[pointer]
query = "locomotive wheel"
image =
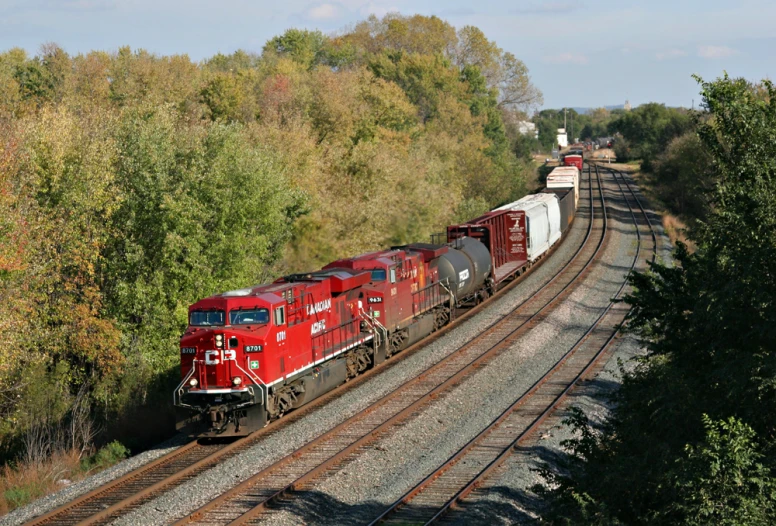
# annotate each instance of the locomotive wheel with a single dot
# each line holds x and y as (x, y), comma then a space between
(397, 341)
(441, 318)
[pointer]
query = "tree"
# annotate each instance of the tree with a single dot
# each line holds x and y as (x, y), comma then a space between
(691, 438)
(305, 47)
(515, 87)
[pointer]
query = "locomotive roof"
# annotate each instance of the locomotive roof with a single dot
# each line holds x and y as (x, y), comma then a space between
(320, 275)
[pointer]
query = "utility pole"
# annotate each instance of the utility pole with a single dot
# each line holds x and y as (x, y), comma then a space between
(564, 118)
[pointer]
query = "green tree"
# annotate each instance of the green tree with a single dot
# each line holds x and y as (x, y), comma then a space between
(305, 47)
(691, 437)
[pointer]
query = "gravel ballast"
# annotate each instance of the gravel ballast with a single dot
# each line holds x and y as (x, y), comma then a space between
(506, 498)
(401, 458)
(361, 488)
(188, 497)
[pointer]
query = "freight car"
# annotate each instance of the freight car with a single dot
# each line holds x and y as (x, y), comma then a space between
(565, 177)
(504, 234)
(573, 160)
(251, 355)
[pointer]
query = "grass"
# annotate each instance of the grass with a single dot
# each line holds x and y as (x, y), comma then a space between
(24, 482)
(674, 225)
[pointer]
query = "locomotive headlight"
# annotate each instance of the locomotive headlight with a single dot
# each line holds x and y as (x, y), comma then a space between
(219, 340)
(193, 382)
(236, 380)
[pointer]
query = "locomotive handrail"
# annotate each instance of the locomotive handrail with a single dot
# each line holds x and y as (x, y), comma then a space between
(426, 298)
(452, 297)
(260, 384)
(377, 327)
(177, 391)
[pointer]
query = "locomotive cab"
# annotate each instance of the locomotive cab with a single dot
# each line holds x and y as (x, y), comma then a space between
(222, 358)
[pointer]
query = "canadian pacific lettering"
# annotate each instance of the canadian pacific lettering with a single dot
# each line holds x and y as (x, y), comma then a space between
(319, 307)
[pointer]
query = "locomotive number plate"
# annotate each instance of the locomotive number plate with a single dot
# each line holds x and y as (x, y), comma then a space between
(375, 300)
(188, 350)
(253, 348)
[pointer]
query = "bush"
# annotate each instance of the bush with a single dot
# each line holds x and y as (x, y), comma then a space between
(108, 455)
(684, 174)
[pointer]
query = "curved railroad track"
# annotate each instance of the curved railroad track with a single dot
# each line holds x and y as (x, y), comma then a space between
(247, 501)
(130, 491)
(445, 488)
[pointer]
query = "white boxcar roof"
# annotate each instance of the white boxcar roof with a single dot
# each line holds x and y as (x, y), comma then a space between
(566, 171)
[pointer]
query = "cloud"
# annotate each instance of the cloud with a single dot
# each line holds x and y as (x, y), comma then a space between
(379, 11)
(716, 51)
(67, 5)
(458, 11)
(323, 12)
(547, 7)
(566, 58)
(670, 54)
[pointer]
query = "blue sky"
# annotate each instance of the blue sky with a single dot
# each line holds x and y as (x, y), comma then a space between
(580, 53)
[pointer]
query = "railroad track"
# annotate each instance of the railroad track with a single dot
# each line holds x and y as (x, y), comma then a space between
(445, 488)
(247, 501)
(130, 491)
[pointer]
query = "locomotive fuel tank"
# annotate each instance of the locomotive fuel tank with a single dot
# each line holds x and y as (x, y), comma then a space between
(465, 266)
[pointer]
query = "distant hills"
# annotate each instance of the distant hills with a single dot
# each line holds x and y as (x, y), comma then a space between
(583, 111)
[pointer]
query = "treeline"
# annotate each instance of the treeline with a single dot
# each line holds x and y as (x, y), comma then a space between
(582, 126)
(663, 139)
(692, 436)
(133, 184)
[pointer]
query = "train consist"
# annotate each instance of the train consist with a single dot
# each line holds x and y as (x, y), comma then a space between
(251, 355)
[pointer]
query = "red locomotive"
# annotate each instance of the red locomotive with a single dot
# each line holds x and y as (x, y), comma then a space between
(249, 356)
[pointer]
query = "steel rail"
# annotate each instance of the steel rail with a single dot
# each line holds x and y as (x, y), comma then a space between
(487, 442)
(133, 489)
(292, 471)
(140, 485)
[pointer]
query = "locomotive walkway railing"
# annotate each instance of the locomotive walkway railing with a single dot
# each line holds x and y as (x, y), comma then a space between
(337, 339)
(427, 298)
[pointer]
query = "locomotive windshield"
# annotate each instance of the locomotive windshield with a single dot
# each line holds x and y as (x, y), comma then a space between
(248, 317)
(207, 317)
(378, 274)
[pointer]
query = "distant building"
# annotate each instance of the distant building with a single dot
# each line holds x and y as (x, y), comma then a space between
(627, 106)
(526, 128)
(563, 140)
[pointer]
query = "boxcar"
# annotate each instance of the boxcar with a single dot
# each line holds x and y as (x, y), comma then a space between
(504, 234)
(542, 213)
(573, 160)
(566, 204)
(565, 177)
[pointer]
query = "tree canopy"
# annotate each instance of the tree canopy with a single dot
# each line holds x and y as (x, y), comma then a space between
(133, 184)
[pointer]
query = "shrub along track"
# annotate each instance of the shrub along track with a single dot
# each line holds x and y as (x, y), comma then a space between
(444, 489)
(341, 444)
(132, 490)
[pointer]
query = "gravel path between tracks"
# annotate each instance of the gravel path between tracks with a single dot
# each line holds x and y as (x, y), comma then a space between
(189, 496)
(364, 487)
(506, 498)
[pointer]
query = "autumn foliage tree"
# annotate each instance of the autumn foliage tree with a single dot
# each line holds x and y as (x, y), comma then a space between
(132, 185)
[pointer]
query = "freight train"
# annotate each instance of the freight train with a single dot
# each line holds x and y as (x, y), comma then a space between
(251, 355)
